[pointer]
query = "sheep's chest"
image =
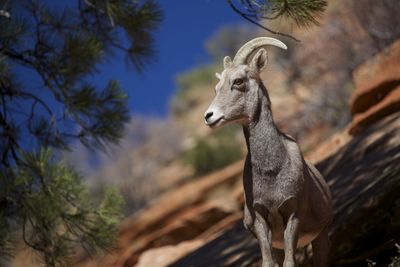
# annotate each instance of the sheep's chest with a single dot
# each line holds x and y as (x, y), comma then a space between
(270, 191)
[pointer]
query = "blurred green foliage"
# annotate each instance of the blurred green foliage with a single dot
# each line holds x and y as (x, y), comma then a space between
(214, 151)
(189, 81)
(200, 75)
(227, 40)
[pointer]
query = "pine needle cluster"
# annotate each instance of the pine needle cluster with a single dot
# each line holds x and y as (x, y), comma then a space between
(48, 58)
(304, 13)
(54, 208)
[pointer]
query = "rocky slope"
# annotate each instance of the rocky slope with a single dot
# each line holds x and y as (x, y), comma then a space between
(199, 223)
(195, 226)
(377, 91)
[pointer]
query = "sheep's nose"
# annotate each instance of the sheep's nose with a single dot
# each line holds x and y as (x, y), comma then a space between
(208, 115)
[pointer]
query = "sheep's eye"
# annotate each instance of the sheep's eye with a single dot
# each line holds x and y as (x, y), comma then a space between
(238, 82)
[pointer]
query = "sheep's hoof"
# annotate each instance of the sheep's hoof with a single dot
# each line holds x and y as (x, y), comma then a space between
(289, 264)
(269, 264)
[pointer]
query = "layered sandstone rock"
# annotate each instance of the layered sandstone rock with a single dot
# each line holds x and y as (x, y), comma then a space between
(377, 83)
(194, 211)
(364, 176)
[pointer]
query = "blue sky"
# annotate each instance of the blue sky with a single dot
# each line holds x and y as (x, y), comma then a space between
(180, 45)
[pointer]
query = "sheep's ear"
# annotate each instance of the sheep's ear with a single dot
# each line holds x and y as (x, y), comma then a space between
(218, 76)
(259, 60)
(227, 62)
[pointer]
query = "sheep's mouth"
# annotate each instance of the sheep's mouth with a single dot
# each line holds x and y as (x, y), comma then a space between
(216, 123)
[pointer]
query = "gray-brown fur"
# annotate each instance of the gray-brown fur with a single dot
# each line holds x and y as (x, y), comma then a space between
(287, 201)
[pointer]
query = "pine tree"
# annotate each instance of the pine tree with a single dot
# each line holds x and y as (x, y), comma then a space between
(41, 198)
(304, 13)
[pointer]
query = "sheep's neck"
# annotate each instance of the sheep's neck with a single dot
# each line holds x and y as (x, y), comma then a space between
(263, 139)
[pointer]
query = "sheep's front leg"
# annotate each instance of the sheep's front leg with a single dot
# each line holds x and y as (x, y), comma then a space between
(264, 235)
(248, 220)
(291, 238)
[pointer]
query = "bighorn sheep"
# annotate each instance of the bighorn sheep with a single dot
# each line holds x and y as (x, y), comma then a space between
(287, 201)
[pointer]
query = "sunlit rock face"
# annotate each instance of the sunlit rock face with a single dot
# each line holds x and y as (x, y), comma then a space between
(364, 176)
(377, 92)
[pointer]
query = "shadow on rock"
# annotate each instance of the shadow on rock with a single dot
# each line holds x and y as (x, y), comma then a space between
(235, 247)
(364, 176)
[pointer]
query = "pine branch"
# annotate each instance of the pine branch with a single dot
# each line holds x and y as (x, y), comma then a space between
(304, 13)
(248, 18)
(63, 51)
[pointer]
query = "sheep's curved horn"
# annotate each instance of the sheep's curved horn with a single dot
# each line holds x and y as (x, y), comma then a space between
(251, 46)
